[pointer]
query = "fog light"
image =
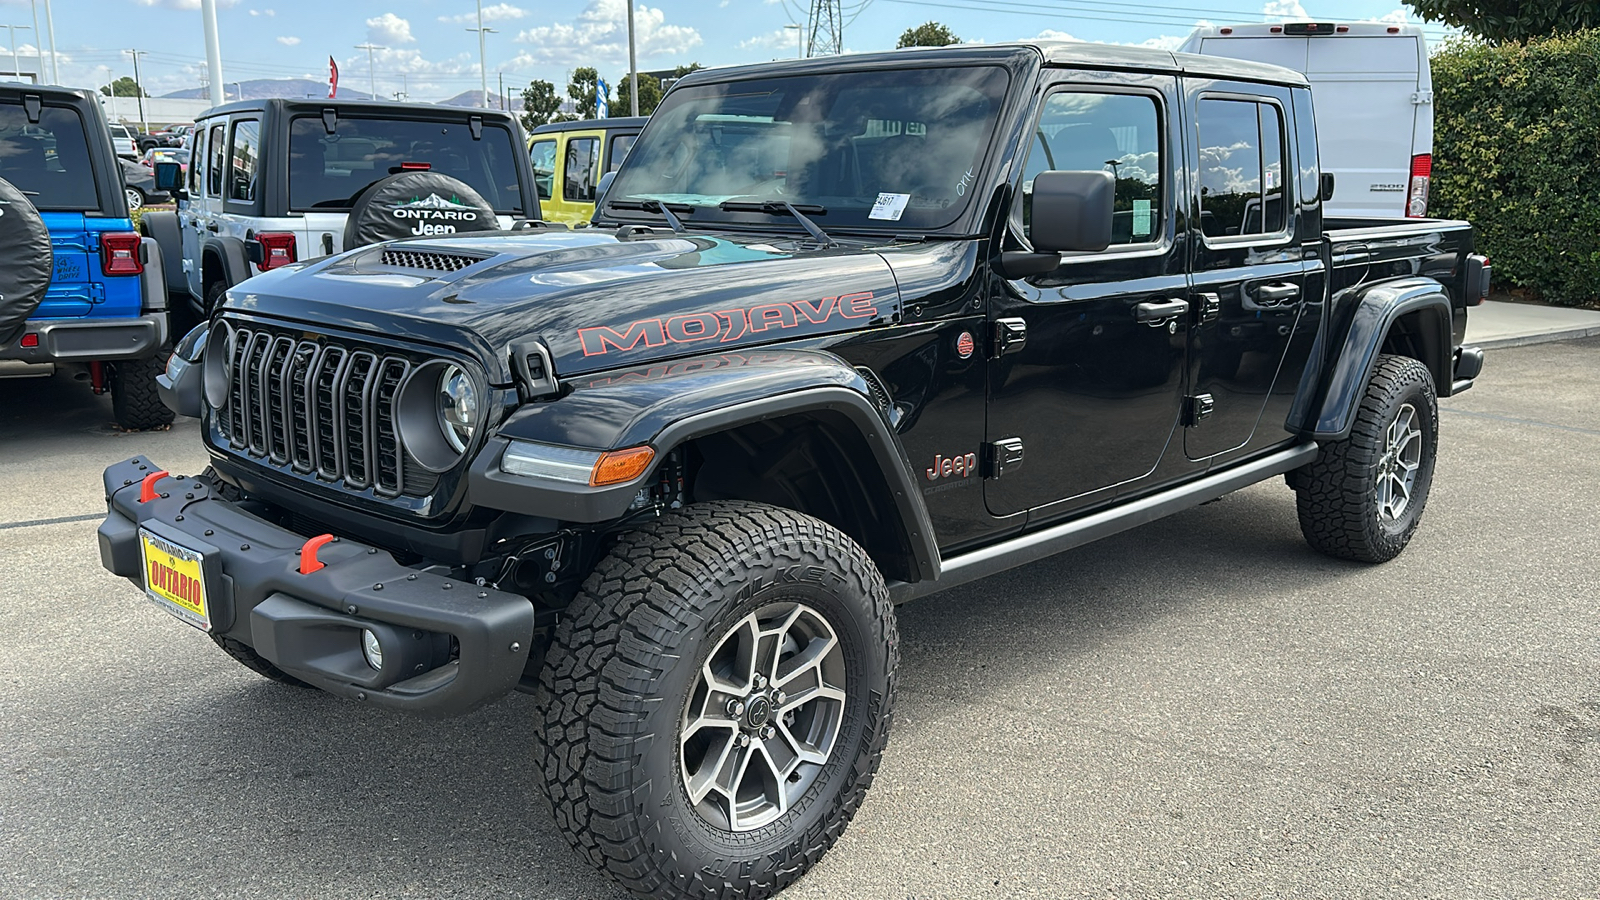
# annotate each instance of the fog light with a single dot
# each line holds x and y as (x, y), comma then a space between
(371, 649)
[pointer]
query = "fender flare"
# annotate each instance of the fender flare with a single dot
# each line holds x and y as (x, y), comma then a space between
(229, 254)
(1325, 408)
(668, 405)
(162, 227)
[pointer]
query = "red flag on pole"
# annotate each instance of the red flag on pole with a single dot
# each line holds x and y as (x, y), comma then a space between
(333, 79)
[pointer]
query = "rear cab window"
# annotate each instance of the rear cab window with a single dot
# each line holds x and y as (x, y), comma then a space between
(583, 158)
(328, 171)
(245, 162)
(48, 160)
(1242, 151)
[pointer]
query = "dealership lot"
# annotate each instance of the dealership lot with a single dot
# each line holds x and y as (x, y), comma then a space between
(1200, 707)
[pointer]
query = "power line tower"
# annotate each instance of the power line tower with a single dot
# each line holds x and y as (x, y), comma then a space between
(826, 22)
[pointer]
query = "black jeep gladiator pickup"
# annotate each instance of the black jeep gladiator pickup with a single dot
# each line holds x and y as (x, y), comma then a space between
(845, 332)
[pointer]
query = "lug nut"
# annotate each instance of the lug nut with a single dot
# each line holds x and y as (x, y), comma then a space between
(761, 681)
(780, 698)
(742, 740)
(768, 732)
(735, 708)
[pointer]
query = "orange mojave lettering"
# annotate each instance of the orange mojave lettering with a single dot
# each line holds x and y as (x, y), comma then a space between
(175, 583)
(726, 325)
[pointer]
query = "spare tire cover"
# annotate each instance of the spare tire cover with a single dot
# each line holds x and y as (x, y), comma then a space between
(25, 261)
(416, 204)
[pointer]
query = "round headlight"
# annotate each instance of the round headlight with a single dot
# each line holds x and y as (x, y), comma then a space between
(458, 406)
(218, 362)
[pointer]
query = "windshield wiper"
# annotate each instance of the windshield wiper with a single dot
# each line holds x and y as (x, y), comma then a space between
(655, 206)
(781, 208)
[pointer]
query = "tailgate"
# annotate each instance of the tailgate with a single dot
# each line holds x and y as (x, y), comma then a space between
(73, 291)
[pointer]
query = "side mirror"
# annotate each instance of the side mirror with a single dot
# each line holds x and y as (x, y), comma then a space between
(605, 182)
(1072, 211)
(1327, 187)
(169, 177)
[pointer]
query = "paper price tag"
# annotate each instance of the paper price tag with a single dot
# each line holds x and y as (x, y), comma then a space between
(889, 207)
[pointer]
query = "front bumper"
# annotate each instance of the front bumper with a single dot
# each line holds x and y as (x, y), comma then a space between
(91, 340)
(310, 625)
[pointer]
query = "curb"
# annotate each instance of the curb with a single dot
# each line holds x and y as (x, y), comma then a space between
(1523, 340)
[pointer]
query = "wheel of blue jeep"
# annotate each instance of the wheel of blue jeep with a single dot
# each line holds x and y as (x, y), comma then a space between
(717, 701)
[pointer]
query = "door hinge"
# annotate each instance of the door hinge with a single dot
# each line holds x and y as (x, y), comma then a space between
(1010, 335)
(1421, 97)
(1209, 307)
(1002, 456)
(1197, 408)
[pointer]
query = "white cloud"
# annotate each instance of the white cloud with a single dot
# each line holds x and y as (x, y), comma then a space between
(263, 12)
(1164, 42)
(389, 29)
(288, 41)
(1050, 34)
(1285, 9)
(600, 34)
(781, 39)
(1397, 17)
(500, 12)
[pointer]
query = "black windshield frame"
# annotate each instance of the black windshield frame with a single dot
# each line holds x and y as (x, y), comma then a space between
(841, 117)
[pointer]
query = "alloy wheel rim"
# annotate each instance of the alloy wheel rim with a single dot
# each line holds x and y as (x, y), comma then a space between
(763, 717)
(135, 199)
(1399, 464)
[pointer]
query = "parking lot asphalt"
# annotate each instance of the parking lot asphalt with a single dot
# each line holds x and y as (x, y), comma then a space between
(1202, 707)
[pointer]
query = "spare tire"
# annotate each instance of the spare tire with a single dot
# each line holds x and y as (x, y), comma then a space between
(416, 204)
(25, 261)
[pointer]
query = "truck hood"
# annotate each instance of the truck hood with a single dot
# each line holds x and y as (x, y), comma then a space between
(597, 299)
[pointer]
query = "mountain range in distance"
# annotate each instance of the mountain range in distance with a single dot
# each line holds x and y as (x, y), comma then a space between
(299, 88)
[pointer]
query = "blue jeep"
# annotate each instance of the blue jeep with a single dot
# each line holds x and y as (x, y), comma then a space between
(78, 285)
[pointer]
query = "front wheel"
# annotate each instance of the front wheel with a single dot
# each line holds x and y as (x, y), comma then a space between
(718, 700)
(135, 198)
(1363, 496)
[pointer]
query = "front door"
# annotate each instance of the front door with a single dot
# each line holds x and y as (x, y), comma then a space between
(1093, 395)
(207, 167)
(1249, 286)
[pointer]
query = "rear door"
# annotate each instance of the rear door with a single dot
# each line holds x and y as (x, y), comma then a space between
(1092, 398)
(1367, 92)
(1249, 290)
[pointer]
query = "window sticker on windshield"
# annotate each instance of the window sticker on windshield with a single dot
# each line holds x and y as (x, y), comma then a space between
(889, 206)
(1141, 218)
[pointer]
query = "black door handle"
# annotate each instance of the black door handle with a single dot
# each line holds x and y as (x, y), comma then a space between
(1276, 293)
(1159, 311)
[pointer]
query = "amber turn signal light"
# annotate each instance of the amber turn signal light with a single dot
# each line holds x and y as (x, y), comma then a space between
(618, 466)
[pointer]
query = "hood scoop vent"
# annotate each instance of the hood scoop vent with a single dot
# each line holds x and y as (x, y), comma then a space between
(428, 260)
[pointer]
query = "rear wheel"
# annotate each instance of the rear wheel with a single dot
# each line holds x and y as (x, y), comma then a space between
(135, 198)
(717, 701)
(1363, 497)
(134, 400)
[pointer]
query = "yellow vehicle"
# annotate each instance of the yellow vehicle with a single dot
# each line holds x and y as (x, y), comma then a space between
(569, 158)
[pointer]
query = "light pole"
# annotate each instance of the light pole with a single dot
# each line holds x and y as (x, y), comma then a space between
(799, 40)
(38, 40)
(138, 85)
(50, 26)
(372, 80)
(239, 86)
(483, 71)
(633, 66)
(16, 61)
(208, 16)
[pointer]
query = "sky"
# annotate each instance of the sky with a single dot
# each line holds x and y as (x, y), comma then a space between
(429, 54)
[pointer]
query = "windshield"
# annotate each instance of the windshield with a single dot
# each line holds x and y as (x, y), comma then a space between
(48, 161)
(328, 171)
(897, 148)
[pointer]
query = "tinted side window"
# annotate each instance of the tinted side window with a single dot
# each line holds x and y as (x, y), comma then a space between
(1117, 133)
(1241, 168)
(620, 145)
(245, 160)
(219, 161)
(543, 155)
(197, 158)
(582, 158)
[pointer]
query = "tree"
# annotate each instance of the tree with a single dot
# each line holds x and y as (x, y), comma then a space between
(928, 34)
(582, 87)
(681, 71)
(540, 104)
(1502, 21)
(649, 96)
(123, 87)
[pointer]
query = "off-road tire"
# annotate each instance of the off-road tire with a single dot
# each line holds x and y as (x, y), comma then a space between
(626, 658)
(250, 659)
(134, 401)
(1337, 494)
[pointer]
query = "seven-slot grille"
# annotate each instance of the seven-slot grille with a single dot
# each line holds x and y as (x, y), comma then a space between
(318, 407)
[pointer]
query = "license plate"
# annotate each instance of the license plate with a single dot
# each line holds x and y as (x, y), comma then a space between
(174, 579)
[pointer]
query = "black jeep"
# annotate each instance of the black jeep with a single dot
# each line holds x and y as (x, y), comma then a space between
(848, 331)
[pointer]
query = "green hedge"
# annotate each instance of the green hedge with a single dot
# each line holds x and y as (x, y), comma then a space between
(1516, 151)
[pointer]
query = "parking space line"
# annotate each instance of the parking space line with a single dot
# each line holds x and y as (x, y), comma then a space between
(29, 523)
(1515, 420)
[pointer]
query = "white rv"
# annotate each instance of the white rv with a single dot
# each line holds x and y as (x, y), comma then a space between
(1374, 99)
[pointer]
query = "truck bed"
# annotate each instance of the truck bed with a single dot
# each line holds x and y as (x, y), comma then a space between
(1367, 250)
